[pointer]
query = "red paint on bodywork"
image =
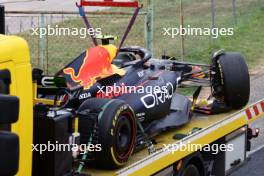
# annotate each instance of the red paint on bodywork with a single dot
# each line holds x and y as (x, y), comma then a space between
(96, 65)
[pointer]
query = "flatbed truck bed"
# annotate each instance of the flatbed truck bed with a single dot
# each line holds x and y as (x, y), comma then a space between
(213, 127)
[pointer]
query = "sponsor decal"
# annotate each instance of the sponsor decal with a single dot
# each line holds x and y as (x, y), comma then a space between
(95, 65)
(85, 95)
(158, 96)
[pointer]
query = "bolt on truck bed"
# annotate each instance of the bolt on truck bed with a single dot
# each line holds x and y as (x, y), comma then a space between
(213, 127)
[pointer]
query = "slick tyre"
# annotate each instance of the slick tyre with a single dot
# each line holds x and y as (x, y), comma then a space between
(116, 132)
(235, 80)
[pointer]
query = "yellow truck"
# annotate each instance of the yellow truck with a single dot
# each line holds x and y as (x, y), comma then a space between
(192, 149)
(16, 80)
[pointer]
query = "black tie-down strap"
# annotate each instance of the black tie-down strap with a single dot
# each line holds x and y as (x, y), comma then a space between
(130, 25)
(86, 22)
(91, 117)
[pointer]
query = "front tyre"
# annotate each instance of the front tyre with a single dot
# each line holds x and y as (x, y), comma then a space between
(231, 81)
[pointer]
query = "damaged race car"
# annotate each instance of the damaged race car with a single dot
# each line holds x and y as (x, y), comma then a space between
(123, 97)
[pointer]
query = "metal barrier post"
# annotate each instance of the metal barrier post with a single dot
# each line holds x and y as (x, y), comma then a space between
(149, 26)
(234, 11)
(182, 24)
(213, 18)
(42, 42)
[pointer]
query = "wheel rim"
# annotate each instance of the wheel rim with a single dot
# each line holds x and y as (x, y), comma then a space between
(217, 83)
(124, 136)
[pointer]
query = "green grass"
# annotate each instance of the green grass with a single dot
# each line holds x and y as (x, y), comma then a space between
(248, 37)
(63, 49)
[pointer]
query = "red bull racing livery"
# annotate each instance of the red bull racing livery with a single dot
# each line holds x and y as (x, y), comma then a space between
(123, 102)
(123, 97)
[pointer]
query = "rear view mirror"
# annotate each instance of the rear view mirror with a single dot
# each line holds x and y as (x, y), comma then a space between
(9, 109)
(9, 153)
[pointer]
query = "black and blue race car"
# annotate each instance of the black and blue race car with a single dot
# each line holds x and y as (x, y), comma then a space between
(123, 97)
(134, 97)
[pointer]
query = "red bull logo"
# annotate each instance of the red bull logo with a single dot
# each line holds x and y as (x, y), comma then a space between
(96, 65)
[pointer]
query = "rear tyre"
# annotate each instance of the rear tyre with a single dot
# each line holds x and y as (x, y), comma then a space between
(233, 78)
(116, 131)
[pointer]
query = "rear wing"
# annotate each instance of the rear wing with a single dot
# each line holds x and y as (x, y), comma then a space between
(110, 3)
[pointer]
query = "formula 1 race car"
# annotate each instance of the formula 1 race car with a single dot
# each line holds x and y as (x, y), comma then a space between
(124, 102)
(123, 97)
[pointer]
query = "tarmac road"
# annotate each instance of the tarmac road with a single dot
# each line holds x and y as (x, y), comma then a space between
(257, 93)
(254, 167)
(16, 23)
(42, 5)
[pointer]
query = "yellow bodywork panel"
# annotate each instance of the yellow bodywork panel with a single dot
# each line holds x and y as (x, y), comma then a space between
(37, 100)
(14, 56)
(112, 50)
